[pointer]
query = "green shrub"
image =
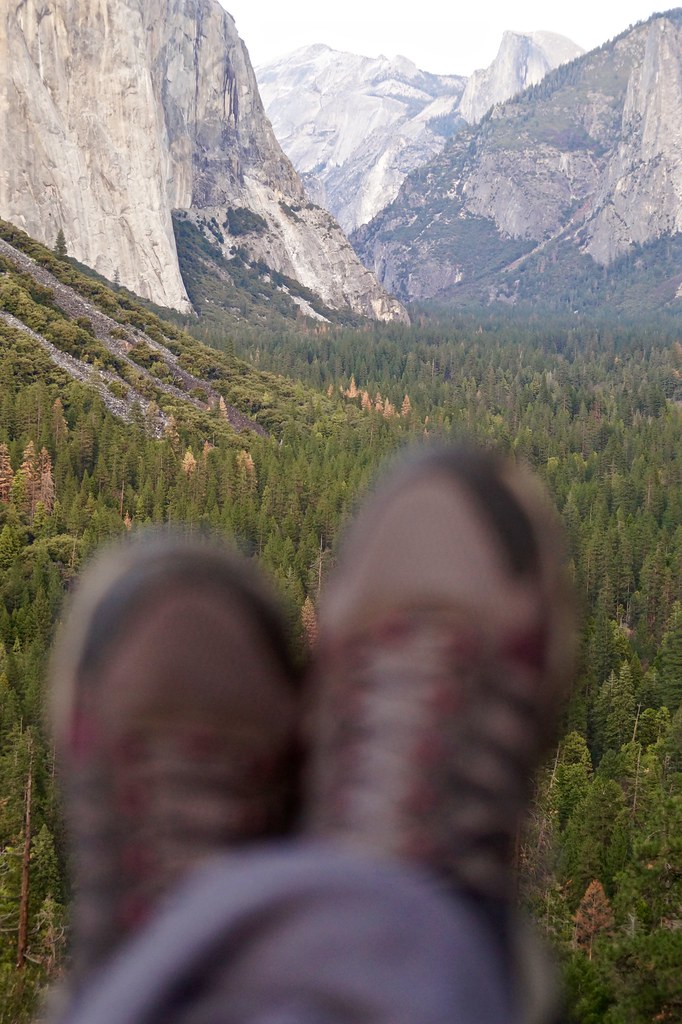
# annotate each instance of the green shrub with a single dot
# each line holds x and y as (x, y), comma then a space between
(242, 221)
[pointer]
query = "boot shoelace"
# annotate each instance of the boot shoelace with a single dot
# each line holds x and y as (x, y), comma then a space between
(427, 746)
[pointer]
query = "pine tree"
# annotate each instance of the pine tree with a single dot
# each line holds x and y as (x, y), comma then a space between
(59, 425)
(46, 492)
(573, 775)
(352, 389)
(10, 545)
(30, 476)
(60, 249)
(246, 468)
(595, 840)
(621, 717)
(189, 463)
(50, 927)
(670, 660)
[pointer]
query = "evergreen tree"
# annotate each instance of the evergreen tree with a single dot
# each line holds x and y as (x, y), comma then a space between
(620, 720)
(59, 425)
(573, 775)
(595, 843)
(670, 660)
(30, 475)
(46, 493)
(189, 463)
(60, 249)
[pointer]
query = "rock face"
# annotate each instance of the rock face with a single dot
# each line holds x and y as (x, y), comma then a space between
(640, 193)
(115, 113)
(354, 127)
(522, 60)
(582, 166)
(83, 143)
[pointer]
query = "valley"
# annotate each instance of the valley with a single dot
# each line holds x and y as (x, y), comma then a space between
(203, 350)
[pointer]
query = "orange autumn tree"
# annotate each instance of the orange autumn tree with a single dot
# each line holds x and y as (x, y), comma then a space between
(46, 490)
(6, 474)
(593, 916)
(309, 622)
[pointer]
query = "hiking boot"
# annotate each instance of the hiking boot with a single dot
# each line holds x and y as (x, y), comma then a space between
(174, 711)
(445, 651)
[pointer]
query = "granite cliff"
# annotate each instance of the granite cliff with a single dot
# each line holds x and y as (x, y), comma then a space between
(114, 115)
(575, 172)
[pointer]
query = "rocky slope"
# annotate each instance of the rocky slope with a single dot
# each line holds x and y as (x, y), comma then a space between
(121, 395)
(115, 114)
(354, 127)
(583, 166)
(146, 369)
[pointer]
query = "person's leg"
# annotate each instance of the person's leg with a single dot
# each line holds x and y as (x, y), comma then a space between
(174, 709)
(303, 933)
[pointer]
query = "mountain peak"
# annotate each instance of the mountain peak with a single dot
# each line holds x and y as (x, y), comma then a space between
(523, 59)
(353, 125)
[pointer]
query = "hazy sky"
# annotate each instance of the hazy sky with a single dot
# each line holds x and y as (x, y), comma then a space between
(437, 36)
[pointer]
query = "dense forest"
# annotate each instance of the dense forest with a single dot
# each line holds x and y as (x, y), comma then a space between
(597, 411)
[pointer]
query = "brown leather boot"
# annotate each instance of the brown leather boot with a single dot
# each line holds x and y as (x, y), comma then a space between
(445, 652)
(174, 710)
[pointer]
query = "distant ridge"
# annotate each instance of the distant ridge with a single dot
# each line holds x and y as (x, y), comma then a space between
(354, 126)
(564, 195)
